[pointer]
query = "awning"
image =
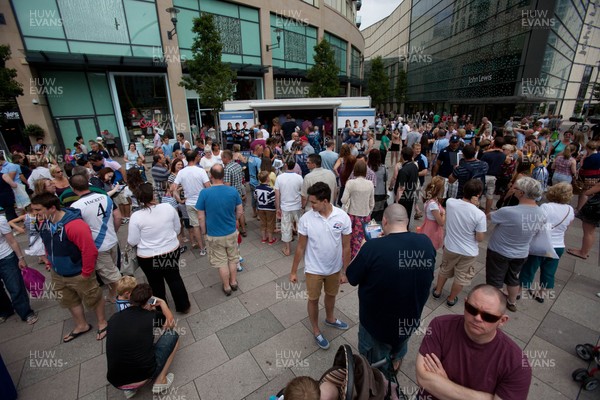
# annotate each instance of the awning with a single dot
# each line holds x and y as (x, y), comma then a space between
(296, 103)
(33, 57)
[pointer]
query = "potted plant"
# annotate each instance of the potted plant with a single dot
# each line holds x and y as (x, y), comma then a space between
(34, 130)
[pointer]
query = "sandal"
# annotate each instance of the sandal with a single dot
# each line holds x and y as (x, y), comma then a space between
(571, 252)
(99, 332)
(453, 302)
(434, 294)
(74, 335)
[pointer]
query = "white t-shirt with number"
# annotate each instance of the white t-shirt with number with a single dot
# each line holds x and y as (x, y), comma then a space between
(97, 211)
(323, 254)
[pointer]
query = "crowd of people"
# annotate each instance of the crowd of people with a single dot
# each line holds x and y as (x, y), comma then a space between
(453, 175)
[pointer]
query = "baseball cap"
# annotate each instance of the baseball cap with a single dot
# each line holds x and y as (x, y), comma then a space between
(304, 139)
(454, 139)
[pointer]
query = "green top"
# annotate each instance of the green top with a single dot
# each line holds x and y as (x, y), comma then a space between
(68, 197)
(385, 143)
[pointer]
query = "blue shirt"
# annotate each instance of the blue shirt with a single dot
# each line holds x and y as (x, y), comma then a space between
(254, 168)
(8, 167)
(520, 140)
(167, 149)
(219, 204)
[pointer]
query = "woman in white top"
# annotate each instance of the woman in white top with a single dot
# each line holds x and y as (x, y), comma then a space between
(131, 156)
(154, 229)
(358, 200)
(559, 214)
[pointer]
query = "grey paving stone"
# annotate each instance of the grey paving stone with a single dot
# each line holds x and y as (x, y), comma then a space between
(540, 390)
(192, 283)
(99, 394)
(13, 328)
(247, 333)
(351, 336)
(233, 380)
(216, 318)
(254, 278)
(585, 287)
(60, 386)
(316, 363)
(521, 325)
(41, 364)
(291, 310)
(530, 307)
(15, 370)
(564, 333)
(212, 295)
(198, 359)
(578, 308)
(50, 316)
(93, 375)
(553, 366)
(186, 336)
(264, 256)
(273, 386)
(349, 306)
(283, 266)
(20, 347)
(260, 298)
(587, 267)
(209, 277)
(294, 339)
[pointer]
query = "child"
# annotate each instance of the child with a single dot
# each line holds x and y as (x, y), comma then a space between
(435, 216)
(265, 204)
(36, 246)
(69, 158)
(169, 198)
(124, 287)
(140, 166)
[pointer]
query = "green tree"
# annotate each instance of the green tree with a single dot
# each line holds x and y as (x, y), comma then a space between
(378, 82)
(9, 87)
(211, 78)
(401, 87)
(324, 74)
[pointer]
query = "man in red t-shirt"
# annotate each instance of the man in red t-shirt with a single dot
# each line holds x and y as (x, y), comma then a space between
(465, 356)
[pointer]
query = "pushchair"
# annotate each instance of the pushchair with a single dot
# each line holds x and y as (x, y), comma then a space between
(588, 352)
(357, 379)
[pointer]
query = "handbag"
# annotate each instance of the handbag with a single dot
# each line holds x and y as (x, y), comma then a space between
(34, 281)
(578, 184)
(541, 244)
(129, 262)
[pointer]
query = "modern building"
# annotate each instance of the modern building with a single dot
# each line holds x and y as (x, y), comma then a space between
(493, 58)
(91, 65)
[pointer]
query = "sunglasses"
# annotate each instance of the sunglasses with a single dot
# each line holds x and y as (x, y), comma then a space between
(487, 317)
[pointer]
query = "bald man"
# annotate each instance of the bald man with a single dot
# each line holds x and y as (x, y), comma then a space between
(393, 274)
(468, 356)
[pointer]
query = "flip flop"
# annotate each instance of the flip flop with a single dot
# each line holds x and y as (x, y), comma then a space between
(74, 335)
(100, 332)
(577, 255)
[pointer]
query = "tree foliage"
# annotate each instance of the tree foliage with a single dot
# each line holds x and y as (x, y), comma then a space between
(378, 82)
(324, 74)
(9, 87)
(401, 87)
(211, 78)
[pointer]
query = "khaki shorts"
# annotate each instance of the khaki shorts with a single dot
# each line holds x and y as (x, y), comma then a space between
(223, 250)
(287, 223)
(267, 220)
(462, 268)
(106, 265)
(314, 283)
(490, 186)
(193, 215)
(75, 290)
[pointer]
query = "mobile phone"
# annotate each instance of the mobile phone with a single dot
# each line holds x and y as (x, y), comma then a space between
(372, 230)
(152, 301)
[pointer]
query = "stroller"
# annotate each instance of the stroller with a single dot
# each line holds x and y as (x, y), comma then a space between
(587, 352)
(356, 379)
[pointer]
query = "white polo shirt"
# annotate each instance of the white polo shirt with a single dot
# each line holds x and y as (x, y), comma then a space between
(323, 255)
(192, 179)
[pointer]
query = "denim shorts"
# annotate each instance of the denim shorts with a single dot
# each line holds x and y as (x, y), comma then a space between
(375, 350)
(163, 349)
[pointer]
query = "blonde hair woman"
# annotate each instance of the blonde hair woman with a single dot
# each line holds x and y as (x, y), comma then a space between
(60, 180)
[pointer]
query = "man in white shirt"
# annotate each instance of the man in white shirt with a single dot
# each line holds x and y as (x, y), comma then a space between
(193, 179)
(288, 202)
(465, 227)
(104, 219)
(289, 143)
(320, 233)
(405, 130)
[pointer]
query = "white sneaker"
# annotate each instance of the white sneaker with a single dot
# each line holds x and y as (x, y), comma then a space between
(159, 388)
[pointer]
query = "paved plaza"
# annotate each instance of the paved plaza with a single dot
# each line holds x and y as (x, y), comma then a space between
(249, 345)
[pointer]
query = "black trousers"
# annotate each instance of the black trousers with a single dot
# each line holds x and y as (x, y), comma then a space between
(408, 204)
(165, 268)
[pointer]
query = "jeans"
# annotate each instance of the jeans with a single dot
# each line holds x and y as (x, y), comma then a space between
(375, 351)
(547, 267)
(558, 177)
(11, 277)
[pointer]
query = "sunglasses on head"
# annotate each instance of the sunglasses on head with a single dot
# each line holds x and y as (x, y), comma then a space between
(487, 317)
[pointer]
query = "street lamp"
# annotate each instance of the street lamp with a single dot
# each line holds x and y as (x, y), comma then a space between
(173, 11)
(276, 46)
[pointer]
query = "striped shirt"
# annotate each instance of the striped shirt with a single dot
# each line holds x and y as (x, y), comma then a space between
(265, 197)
